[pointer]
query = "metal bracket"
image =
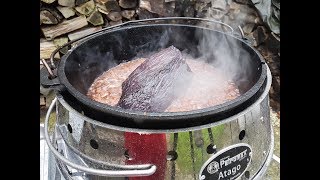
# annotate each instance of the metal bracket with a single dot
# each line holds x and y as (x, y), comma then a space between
(129, 171)
(243, 37)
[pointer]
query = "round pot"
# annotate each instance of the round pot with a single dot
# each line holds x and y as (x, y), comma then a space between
(93, 55)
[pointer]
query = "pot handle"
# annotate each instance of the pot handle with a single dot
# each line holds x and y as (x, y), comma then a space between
(139, 22)
(127, 171)
(243, 37)
(174, 20)
(48, 78)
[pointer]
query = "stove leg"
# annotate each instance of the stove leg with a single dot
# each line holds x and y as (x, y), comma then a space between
(192, 154)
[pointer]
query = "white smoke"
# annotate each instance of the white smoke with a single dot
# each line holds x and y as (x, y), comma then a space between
(224, 53)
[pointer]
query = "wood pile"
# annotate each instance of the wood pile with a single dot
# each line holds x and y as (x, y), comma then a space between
(64, 20)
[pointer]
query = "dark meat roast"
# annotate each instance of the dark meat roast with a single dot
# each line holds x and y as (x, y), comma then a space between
(154, 84)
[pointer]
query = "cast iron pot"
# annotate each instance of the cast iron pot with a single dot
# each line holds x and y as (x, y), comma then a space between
(94, 54)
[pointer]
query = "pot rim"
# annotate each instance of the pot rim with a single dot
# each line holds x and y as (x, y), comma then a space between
(264, 95)
(138, 115)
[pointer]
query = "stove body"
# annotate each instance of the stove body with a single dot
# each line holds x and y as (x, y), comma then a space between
(99, 146)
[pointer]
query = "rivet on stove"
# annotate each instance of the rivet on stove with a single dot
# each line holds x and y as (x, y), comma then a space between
(264, 153)
(247, 174)
(172, 155)
(202, 177)
(94, 144)
(211, 149)
(69, 128)
(242, 134)
(126, 154)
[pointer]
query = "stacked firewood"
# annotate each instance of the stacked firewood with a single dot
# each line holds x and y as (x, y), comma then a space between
(65, 20)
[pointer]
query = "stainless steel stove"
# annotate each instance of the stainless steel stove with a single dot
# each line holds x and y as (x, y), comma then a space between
(88, 141)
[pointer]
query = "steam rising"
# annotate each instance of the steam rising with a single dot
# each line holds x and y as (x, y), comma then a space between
(89, 66)
(222, 52)
(225, 54)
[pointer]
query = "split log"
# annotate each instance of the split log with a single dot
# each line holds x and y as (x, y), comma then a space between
(46, 17)
(82, 32)
(248, 28)
(251, 19)
(189, 11)
(234, 5)
(68, 3)
(170, 9)
(103, 1)
(145, 14)
(127, 4)
(144, 4)
(86, 8)
(64, 27)
(58, 42)
(260, 35)
(54, 12)
(66, 11)
(112, 6)
(95, 18)
(112, 23)
(114, 16)
(158, 7)
(106, 22)
(48, 1)
(102, 8)
(42, 101)
(79, 2)
(78, 14)
(46, 49)
(128, 14)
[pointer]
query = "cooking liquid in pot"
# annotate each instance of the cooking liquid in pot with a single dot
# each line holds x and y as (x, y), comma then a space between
(209, 86)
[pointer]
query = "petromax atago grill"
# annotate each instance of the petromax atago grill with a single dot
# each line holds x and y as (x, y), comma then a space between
(233, 140)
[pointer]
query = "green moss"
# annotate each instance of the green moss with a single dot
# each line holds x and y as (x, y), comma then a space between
(52, 120)
(184, 161)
